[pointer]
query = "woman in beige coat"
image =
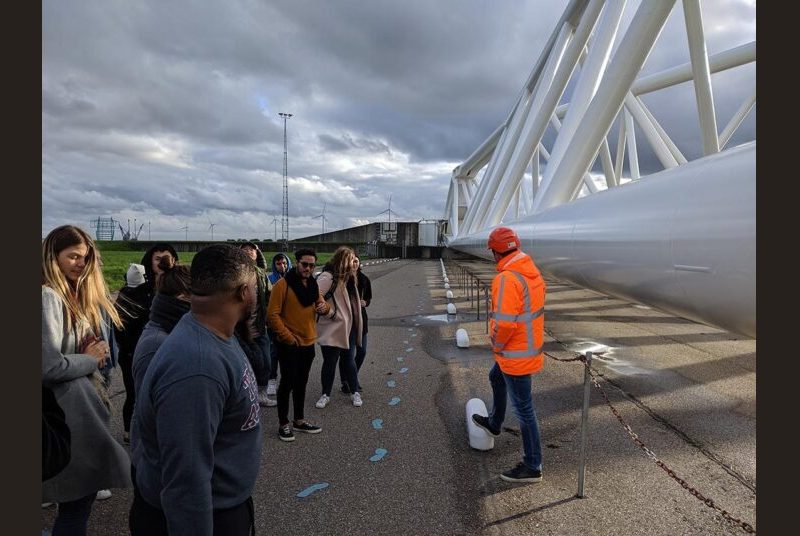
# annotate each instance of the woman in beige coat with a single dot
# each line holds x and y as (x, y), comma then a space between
(339, 332)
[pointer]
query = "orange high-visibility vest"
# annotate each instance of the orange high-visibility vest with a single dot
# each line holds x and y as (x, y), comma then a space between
(517, 319)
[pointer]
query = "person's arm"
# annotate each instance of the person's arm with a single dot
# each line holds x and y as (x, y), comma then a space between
(58, 367)
(504, 329)
(274, 310)
(188, 413)
(324, 283)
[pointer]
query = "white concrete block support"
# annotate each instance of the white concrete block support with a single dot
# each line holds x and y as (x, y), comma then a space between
(462, 338)
(479, 439)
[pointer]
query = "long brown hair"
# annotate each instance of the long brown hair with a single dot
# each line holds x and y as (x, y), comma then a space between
(341, 261)
(90, 297)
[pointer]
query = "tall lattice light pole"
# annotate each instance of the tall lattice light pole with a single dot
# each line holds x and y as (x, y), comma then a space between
(285, 215)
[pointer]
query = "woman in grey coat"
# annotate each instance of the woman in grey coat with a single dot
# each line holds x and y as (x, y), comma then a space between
(77, 314)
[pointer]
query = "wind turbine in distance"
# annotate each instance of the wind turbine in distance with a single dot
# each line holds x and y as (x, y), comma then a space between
(275, 225)
(211, 226)
(389, 210)
(324, 218)
(185, 228)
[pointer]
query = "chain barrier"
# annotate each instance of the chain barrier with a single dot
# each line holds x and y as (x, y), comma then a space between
(649, 453)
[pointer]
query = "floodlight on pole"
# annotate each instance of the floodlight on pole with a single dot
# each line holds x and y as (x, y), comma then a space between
(285, 214)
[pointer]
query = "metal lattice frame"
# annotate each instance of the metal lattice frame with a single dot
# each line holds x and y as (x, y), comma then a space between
(608, 90)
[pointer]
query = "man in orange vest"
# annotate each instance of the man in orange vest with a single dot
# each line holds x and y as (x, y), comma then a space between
(517, 333)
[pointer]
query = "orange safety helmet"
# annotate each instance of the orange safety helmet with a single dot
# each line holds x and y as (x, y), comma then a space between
(503, 239)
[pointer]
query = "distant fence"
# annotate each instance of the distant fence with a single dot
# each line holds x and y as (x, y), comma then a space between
(381, 250)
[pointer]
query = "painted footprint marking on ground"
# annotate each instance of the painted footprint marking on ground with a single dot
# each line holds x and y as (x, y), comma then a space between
(391, 383)
(377, 424)
(379, 453)
(409, 349)
(311, 489)
(394, 401)
(401, 359)
(403, 370)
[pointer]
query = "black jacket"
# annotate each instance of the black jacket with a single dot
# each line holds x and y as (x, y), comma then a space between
(56, 437)
(365, 291)
(133, 305)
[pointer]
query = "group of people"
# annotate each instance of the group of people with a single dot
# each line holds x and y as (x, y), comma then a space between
(200, 348)
(195, 383)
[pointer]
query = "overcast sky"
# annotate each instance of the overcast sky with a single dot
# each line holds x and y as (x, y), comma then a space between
(167, 111)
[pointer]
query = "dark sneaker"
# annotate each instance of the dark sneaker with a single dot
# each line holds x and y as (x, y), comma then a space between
(307, 427)
(483, 422)
(521, 473)
(285, 433)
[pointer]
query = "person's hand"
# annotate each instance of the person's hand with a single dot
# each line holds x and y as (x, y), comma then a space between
(321, 307)
(363, 303)
(99, 350)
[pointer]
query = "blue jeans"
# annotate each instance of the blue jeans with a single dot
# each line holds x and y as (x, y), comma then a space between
(519, 389)
(73, 517)
(332, 354)
(361, 354)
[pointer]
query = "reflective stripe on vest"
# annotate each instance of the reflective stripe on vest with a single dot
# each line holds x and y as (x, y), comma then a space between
(527, 318)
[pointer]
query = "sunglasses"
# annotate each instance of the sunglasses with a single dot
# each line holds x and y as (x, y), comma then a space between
(307, 264)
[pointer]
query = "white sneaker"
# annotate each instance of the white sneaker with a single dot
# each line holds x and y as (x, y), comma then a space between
(323, 401)
(103, 494)
(47, 505)
(272, 387)
(264, 400)
(356, 398)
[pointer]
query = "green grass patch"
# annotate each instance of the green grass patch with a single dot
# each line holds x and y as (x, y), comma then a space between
(116, 263)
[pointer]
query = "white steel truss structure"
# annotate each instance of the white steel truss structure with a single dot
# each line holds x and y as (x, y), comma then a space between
(681, 238)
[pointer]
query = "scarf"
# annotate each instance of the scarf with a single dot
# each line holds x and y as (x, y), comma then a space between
(166, 311)
(306, 295)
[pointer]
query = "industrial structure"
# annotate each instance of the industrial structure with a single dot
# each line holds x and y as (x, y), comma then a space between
(422, 238)
(104, 228)
(681, 239)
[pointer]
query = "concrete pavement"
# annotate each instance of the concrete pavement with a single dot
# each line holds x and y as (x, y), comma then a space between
(687, 390)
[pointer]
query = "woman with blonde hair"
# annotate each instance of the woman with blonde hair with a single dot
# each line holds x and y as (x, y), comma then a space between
(77, 318)
(339, 332)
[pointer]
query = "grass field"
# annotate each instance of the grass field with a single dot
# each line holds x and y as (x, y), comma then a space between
(116, 263)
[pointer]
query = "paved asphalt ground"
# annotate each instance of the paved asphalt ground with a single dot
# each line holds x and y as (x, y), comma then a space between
(687, 390)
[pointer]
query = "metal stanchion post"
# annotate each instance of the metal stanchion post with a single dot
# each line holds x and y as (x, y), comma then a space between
(471, 290)
(478, 302)
(587, 384)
